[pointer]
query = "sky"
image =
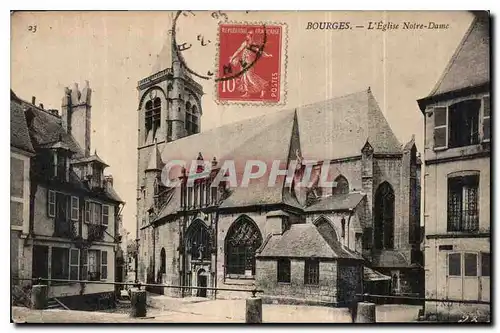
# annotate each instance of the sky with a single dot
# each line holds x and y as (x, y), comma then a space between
(114, 50)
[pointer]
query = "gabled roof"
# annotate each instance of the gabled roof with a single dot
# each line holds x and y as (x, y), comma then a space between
(337, 202)
(336, 128)
(470, 64)
(340, 127)
(19, 135)
(308, 242)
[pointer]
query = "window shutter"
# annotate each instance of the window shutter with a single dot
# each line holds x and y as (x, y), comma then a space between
(440, 128)
(74, 261)
(51, 204)
(486, 118)
(87, 212)
(85, 266)
(75, 204)
(104, 265)
(105, 215)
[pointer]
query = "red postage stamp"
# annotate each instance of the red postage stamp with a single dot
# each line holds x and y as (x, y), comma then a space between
(249, 63)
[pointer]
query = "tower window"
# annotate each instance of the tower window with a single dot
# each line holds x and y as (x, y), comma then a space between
(153, 115)
(191, 123)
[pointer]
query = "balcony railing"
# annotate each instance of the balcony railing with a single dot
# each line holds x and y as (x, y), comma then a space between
(96, 232)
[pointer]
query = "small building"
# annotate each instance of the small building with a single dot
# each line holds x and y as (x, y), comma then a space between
(457, 183)
(316, 268)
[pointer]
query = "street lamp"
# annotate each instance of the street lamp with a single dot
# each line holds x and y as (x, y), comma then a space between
(136, 260)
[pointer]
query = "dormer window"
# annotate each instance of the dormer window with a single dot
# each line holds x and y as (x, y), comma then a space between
(97, 174)
(60, 163)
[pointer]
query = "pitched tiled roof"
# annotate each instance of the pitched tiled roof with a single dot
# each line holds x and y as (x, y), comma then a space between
(19, 135)
(337, 202)
(340, 127)
(307, 242)
(470, 64)
(333, 129)
(46, 129)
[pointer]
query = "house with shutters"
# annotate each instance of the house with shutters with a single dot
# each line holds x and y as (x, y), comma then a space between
(457, 179)
(67, 226)
(315, 245)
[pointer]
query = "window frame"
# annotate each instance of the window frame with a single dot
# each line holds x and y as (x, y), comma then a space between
(283, 270)
(311, 272)
(457, 183)
(51, 204)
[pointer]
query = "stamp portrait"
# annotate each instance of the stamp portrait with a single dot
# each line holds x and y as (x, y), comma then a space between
(249, 64)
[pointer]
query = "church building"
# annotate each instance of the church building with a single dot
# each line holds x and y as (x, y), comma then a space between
(310, 245)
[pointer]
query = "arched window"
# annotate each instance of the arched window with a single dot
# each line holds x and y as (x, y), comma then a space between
(384, 217)
(341, 186)
(242, 240)
(153, 115)
(198, 241)
(163, 261)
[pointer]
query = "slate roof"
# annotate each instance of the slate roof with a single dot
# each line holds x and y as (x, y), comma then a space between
(337, 202)
(19, 135)
(46, 129)
(470, 64)
(307, 242)
(336, 128)
(339, 127)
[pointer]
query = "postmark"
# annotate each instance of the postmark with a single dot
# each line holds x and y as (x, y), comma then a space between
(250, 63)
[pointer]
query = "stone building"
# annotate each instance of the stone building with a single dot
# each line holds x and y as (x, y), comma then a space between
(66, 212)
(300, 244)
(457, 178)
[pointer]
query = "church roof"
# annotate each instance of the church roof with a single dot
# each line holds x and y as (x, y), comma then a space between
(19, 135)
(308, 242)
(470, 64)
(332, 129)
(339, 127)
(337, 202)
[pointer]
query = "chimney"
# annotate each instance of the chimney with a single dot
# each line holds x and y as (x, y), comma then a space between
(41, 106)
(76, 115)
(33, 100)
(108, 180)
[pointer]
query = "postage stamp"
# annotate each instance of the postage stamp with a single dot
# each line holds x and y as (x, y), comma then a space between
(250, 63)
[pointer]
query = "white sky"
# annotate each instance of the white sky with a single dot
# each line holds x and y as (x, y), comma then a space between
(113, 50)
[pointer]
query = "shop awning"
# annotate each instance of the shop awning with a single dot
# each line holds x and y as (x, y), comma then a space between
(372, 275)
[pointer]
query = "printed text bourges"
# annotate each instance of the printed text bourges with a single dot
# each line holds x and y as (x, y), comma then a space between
(377, 25)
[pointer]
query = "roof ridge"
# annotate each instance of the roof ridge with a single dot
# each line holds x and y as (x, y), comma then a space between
(367, 91)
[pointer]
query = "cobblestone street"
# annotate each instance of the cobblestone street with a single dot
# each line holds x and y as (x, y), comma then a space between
(219, 311)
